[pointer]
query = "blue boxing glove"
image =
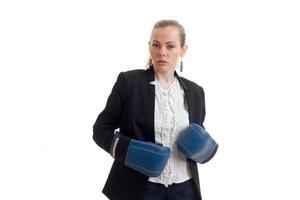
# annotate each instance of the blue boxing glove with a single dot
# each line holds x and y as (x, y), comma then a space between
(145, 157)
(195, 143)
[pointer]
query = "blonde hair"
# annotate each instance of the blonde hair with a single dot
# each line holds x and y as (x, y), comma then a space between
(169, 22)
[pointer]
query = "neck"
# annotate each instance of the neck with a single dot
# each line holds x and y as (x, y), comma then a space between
(165, 78)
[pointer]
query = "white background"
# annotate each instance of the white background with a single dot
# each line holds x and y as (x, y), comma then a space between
(59, 60)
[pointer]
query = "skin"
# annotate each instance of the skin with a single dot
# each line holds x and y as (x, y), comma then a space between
(165, 49)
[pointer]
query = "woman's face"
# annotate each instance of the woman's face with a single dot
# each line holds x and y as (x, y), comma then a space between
(165, 48)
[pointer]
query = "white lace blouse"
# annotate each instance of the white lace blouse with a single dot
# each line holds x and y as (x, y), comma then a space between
(171, 117)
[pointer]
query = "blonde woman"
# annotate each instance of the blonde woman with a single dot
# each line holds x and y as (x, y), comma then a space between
(156, 111)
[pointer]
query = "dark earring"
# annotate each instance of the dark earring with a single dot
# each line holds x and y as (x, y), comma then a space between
(150, 63)
(181, 66)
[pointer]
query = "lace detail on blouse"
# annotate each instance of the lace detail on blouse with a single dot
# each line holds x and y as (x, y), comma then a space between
(170, 118)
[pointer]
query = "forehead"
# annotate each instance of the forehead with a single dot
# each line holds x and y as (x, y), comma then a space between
(165, 34)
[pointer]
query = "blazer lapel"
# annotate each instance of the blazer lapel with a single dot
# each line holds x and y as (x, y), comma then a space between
(187, 97)
(148, 102)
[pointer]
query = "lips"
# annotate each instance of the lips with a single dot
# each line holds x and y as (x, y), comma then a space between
(162, 62)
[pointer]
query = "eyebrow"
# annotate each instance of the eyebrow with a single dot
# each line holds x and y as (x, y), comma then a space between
(166, 42)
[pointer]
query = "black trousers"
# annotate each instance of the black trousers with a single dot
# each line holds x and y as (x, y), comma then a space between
(177, 191)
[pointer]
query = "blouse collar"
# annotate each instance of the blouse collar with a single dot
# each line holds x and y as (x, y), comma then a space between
(151, 78)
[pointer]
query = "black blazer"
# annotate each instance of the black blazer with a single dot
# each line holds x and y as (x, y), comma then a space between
(130, 107)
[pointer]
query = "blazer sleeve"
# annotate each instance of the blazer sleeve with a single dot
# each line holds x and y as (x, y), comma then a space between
(202, 108)
(110, 119)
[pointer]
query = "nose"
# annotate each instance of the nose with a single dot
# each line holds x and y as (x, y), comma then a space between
(163, 51)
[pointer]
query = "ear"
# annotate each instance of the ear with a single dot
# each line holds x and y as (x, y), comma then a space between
(183, 50)
(149, 43)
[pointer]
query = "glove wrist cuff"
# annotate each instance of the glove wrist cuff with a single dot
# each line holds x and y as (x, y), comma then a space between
(121, 148)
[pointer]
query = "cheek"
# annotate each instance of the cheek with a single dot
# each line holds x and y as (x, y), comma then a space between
(175, 54)
(152, 52)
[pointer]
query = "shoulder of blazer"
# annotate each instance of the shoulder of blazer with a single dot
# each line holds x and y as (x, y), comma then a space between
(192, 86)
(128, 79)
(138, 75)
(134, 72)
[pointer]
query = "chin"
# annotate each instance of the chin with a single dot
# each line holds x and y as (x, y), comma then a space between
(163, 68)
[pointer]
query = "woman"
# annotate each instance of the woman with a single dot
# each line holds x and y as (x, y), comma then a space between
(152, 108)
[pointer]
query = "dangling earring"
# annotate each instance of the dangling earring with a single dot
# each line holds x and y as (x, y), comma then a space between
(150, 63)
(181, 66)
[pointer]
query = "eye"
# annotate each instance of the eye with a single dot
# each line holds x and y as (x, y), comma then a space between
(171, 46)
(155, 45)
